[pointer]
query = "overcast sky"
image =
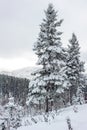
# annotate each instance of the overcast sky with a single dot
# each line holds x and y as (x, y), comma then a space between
(19, 28)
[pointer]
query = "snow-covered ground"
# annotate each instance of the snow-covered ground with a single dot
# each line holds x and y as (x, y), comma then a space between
(78, 120)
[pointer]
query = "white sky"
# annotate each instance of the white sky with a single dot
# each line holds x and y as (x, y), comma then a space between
(19, 28)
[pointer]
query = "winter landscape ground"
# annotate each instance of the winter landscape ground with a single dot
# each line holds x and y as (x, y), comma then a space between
(78, 120)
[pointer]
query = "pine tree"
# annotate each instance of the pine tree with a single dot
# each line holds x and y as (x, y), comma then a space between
(13, 111)
(75, 69)
(49, 81)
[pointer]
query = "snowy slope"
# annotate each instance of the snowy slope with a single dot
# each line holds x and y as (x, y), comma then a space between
(78, 120)
(21, 73)
(25, 72)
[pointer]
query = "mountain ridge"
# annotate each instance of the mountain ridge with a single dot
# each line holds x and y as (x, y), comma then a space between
(21, 73)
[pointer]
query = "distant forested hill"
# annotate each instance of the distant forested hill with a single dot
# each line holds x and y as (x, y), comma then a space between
(17, 87)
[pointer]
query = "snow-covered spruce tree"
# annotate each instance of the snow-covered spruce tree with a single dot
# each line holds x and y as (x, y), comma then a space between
(75, 69)
(13, 110)
(49, 81)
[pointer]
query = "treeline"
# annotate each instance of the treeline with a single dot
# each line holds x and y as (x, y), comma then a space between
(17, 87)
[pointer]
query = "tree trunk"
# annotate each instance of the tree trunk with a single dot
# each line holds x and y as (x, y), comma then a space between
(51, 105)
(39, 105)
(70, 95)
(47, 105)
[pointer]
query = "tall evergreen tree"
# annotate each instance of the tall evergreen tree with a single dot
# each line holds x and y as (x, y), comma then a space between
(75, 69)
(49, 81)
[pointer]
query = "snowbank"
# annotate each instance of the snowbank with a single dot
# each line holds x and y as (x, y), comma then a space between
(78, 120)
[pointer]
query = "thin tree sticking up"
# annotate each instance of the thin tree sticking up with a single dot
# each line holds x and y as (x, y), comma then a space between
(69, 124)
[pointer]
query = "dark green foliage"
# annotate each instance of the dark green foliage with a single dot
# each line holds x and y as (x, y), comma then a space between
(18, 87)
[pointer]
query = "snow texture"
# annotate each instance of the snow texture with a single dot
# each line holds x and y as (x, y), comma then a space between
(78, 120)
